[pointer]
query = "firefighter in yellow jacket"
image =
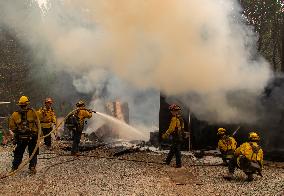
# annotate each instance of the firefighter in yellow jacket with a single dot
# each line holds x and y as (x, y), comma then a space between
(227, 145)
(175, 133)
(248, 157)
(81, 114)
(23, 124)
(47, 119)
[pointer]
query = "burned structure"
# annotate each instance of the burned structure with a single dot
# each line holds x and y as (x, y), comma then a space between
(269, 125)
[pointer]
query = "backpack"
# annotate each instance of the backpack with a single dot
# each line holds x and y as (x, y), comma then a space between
(24, 121)
(228, 142)
(255, 150)
(72, 121)
(24, 132)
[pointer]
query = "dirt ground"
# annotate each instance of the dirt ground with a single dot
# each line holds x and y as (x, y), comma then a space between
(96, 172)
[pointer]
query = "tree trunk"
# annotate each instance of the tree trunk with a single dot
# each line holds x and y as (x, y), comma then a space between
(282, 48)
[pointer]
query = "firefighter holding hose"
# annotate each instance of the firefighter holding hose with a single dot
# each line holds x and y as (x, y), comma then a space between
(175, 133)
(76, 123)
(248, 157)
(227, 145)
(47, 119)
(23, 124)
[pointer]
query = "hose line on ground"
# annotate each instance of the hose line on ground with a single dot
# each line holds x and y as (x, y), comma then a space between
(39, 137)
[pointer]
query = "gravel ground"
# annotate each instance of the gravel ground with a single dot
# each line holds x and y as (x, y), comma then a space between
(83, 175)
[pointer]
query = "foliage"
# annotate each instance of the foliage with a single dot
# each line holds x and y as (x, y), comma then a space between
(267, 17)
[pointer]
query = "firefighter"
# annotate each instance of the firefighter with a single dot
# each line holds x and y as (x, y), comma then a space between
(227, 145)
(47, 120)
(248, 157)
(23, 124)
(80, 114)
(175, 133)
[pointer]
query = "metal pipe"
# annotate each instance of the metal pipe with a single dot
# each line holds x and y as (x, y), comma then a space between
(4, 102)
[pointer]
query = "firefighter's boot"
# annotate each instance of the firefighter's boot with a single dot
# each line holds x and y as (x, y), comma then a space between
(229, 176)
(249, 177)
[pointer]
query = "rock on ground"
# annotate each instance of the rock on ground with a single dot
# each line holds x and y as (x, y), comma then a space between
(143, 175)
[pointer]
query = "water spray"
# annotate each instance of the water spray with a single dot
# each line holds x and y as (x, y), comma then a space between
(105, 116)
(130, 131)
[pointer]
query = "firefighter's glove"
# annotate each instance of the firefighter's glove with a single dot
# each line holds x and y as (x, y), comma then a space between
(165, 136)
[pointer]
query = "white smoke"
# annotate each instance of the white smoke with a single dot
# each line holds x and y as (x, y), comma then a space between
(143, 104)
(181, 47)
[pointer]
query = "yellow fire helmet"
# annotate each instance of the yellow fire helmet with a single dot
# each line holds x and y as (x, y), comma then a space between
(254, 136)
(80, 103)
(221, 131)
(24, 100)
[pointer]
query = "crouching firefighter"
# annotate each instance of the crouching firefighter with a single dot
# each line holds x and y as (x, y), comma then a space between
(227, 145)
(248, 157)
(47, 120)
(175, 134)
(23, 124)
(75, 123)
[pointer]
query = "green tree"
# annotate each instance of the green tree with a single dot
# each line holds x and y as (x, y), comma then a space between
(267, 18)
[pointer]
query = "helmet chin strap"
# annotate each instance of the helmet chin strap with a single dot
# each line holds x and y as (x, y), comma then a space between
(23, 107)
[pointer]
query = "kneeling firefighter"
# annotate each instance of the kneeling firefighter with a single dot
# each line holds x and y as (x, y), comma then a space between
(248, 157)
(227, 145)
(175, 133)
(75, 123)
(23, 124)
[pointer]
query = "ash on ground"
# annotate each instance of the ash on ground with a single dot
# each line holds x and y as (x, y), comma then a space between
(123, 168)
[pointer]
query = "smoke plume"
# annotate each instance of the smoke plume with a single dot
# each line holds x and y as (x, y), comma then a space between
(198, 50)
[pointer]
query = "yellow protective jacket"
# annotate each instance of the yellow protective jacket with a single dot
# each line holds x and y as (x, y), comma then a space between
(22, 121)
(83, 113)
(47, 117)
(251, 150)
(227, 144)
(176, 127)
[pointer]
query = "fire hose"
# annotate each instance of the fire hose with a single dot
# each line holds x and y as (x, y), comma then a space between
(39, 138)
(40, 187)
(99, 157)
(106, 157)
(43, 181)
(53, 130)
(152, 162)
(120, 159)
(113, 158)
